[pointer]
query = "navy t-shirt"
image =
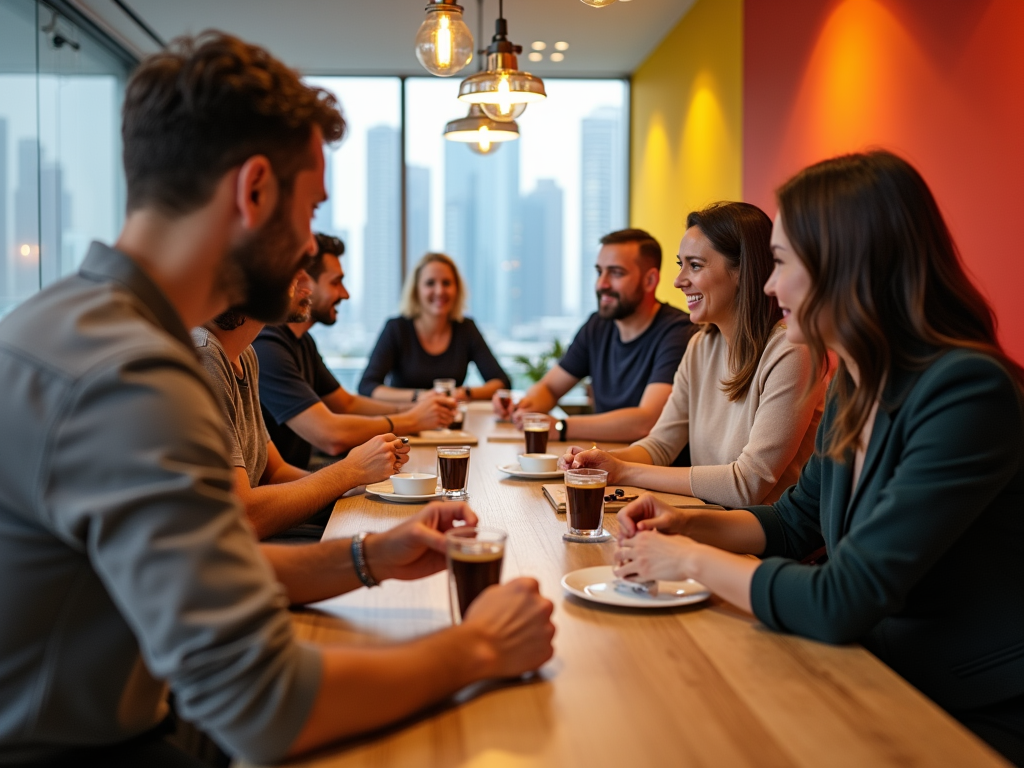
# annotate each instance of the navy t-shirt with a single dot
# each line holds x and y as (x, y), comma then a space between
(620, 372)
(293, 377)
(401, 361)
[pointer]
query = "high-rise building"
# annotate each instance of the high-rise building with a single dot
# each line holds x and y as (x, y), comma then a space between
(602, 191)
(323, 219)
(482, 228)
(6, 248)
(417, 212)
(541, 253)
(382, 238)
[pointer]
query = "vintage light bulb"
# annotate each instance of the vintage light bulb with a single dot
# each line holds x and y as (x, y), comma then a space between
(444, 44)
(598, 3)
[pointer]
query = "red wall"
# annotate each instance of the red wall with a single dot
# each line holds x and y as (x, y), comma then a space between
(940, 82)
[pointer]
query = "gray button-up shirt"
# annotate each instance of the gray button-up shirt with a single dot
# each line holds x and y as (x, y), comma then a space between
(125, 560)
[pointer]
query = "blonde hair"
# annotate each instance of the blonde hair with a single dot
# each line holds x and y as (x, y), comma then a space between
(410, 305)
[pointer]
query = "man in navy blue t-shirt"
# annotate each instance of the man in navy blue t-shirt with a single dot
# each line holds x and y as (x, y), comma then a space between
(630, 348)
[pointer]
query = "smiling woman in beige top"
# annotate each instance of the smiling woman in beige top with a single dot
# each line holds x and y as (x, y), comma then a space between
(738, 395)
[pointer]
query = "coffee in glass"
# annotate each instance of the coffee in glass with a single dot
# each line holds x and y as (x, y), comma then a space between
(474, 558)
(453, 469)
(535, 430)
(584, 500)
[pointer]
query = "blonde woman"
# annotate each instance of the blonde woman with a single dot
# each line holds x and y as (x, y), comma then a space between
(431, 339)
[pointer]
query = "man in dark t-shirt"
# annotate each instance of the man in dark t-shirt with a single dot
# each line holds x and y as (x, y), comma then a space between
(303, 404)
(630, 348)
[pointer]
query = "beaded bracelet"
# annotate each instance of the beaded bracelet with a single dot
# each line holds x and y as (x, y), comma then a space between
(359, 560)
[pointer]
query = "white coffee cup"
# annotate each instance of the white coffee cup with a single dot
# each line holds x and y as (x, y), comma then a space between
(538, 462)
(414, 484)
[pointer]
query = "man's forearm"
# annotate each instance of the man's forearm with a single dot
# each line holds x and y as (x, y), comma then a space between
(313, 572)
(622, 426)
(541, 398)
(364, 688)
(367, 406)
(278, 506)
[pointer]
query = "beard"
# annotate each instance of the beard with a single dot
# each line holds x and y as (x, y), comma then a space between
(258, 273)
(323, 314)
(621, 309)
(299, 313)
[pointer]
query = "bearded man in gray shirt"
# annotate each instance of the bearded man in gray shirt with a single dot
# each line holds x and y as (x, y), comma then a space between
(126, 566)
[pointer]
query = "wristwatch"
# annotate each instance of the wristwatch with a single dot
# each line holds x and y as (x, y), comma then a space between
(562, 426)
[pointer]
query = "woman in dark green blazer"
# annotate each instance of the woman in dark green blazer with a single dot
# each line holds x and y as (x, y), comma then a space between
(916, 486)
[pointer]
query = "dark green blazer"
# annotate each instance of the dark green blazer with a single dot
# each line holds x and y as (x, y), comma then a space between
(926, 560)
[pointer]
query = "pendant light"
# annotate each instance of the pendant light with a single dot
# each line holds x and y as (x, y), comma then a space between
(444, 44)
(502, 90)
(598, 3)
(483, 135)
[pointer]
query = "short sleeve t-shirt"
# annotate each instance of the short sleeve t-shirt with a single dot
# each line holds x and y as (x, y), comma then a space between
(293, 377)
(239, 398)
(619, 372)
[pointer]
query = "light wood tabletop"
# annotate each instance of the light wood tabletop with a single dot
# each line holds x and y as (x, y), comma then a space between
(704, 685)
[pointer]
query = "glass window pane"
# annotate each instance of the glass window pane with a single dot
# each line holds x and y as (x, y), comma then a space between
(19, 173)
(522, 222)
(364, 210)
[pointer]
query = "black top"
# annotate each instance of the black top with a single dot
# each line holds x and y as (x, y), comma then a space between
(293, 377)
(399, 360)
(926, 556)
(620, 372)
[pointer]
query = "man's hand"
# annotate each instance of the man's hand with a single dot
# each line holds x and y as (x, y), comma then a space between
(523, 407)
(433, 410)
(416, 547)
(378, 458)
(650, 514)
(499, 407)
(512, 624)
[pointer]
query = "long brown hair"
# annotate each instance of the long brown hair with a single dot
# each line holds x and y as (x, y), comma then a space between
(885, 272)
(742, 233)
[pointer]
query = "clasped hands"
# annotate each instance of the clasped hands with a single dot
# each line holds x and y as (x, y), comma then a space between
(652, 540)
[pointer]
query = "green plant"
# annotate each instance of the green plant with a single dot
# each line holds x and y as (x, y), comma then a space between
(536, 368)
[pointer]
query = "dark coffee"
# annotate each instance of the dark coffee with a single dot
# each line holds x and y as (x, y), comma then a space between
(584, 505)
(474, 572)
(506, 403)
(453, 471)
(457, 424)
(536, 441)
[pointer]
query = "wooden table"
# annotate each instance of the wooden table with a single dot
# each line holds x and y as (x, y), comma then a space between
(705, 685)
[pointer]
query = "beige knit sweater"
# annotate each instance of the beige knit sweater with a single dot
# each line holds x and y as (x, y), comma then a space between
(744, 452)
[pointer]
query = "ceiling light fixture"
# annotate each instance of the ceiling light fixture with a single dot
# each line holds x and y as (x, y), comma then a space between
(502, 90)
(538, 45)
(561, 45)
(598, 3)
(556, 56)
(536, 56)
(444, 44)
(482, 134)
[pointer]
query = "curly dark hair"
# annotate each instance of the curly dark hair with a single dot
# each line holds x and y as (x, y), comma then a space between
(205, 105)
(324, 244)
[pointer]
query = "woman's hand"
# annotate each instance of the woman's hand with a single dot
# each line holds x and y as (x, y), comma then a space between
(565, 460)
(598, 459)
(649, 513)
(378, 458)
(415, 547)
(652, 556)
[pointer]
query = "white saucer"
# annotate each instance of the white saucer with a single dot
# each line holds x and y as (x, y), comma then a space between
(386, 491)
(516, 471)
(597, 584)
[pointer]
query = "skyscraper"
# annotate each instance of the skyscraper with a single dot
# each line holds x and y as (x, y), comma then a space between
(541, 253)
(6, 250)
(602, 191)
(382, 239)
(418, 212)
(482, 230)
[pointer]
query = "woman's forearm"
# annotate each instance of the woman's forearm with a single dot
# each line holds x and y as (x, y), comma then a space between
(668, 479)
(725, 574)
(734, 530)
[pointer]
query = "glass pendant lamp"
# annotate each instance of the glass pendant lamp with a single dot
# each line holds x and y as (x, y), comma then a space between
(444, 44)
(483, 135)
(502, 90)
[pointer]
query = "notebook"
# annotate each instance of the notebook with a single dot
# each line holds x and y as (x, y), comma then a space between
(555, 494)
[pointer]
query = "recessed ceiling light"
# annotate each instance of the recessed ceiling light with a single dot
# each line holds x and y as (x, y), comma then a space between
(557, 56)
(536, 56)
(538, 45)
(561, 45)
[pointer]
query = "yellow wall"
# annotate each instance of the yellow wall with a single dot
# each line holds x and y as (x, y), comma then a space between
(687, 126)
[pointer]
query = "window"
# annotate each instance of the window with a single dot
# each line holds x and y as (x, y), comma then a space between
(61, 181)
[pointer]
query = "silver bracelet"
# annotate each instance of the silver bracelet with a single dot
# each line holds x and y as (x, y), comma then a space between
(359, 560)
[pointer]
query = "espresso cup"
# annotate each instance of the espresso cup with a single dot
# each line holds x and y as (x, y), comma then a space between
(453, 469)
(538, 462)
(584, 500)
(535, 432)
(474, 557)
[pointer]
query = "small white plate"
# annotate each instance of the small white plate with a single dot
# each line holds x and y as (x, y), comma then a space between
(385, 490)
(597, 584)
(516, 471)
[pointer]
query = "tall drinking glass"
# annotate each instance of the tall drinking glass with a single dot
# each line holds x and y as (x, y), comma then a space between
(535, 431)
(453, 469)
(474, 559)
(584, 501)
